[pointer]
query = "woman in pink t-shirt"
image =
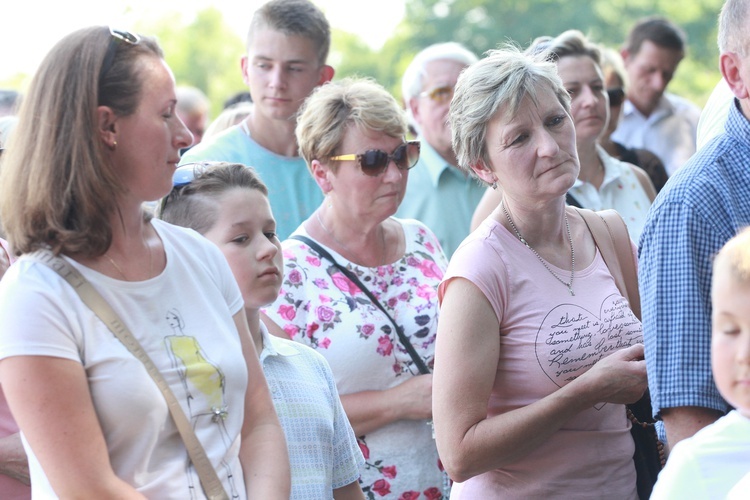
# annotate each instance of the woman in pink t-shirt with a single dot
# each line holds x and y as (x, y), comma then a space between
(537, 351)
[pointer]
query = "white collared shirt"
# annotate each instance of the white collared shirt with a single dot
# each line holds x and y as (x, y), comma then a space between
(669, 131)
(620, 190)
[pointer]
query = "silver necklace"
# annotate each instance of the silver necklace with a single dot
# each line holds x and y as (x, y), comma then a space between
(329, 233)
(572, 252)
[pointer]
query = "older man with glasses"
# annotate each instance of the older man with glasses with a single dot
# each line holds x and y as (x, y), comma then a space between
(438, 193)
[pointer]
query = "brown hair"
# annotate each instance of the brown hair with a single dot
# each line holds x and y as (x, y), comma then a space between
(657, 30)
(57, 185)
(572, 43)
(294, 17)
(195, 205)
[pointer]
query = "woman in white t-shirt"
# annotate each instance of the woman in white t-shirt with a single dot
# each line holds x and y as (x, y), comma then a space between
(97, 137)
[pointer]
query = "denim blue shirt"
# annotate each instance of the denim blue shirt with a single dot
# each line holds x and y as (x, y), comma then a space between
(701, 207)
(442, 197)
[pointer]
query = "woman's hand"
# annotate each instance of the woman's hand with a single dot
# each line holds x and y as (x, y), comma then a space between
(619, 378)
(415, 397)
(468, 441)
(13, 462)
(370, 410)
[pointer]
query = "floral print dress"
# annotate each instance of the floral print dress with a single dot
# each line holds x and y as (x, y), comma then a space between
(320, 307)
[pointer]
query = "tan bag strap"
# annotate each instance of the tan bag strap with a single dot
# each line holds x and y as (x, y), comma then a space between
(611, 237)
(209, 479)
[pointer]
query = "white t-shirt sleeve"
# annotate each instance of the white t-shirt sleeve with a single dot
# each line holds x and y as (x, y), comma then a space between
(37, 316)
(682, 477)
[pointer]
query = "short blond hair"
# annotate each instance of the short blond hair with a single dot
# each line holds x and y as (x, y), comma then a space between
(736, 254)
(335, 106)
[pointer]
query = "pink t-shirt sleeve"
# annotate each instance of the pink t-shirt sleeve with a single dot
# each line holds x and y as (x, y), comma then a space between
(470, 262)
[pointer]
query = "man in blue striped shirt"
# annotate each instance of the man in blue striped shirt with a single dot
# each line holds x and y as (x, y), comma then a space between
(702, 206)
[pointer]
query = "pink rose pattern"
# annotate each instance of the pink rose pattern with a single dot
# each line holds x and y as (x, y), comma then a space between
(320, 307)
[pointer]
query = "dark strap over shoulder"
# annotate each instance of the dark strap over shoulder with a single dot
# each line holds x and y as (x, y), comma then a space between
(354, 279)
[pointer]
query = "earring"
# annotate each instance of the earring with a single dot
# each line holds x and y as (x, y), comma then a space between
(114, 145)
(494, 185)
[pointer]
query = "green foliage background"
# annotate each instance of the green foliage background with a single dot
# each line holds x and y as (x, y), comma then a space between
(484, 24)
(205, 52)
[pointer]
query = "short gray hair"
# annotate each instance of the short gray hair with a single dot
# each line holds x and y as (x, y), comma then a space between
(411, 82)
(191, 99)
(732, 19)
(502, 79)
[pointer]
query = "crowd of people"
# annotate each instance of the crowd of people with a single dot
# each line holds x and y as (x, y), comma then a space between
(328, 293)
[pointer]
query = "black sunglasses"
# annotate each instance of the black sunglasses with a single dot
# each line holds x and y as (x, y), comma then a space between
(375, 161)
(616, 96)
(116, 38)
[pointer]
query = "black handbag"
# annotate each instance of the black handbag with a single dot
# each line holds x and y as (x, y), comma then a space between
(611, 237)
(418, 361)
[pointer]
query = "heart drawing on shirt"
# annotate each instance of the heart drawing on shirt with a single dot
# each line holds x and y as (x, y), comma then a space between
(572, 339)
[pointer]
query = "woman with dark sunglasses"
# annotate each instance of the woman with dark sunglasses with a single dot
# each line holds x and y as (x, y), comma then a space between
(98, 136)
(603, 181)
(351, 134)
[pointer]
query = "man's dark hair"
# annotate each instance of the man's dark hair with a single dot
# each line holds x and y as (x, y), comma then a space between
(657, 30)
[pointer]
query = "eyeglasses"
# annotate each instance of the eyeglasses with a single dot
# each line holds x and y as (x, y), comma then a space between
(440, 95)
(375, 161)
(116, 38)
(184, 175)
(616, 96)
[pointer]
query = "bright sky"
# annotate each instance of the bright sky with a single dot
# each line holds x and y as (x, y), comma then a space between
(28, 29)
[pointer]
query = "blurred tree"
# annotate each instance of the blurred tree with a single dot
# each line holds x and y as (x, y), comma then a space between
(204, 53)
(483, 24)
(351, 56)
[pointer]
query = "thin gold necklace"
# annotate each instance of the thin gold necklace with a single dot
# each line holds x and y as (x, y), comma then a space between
(341, 244)
(544, 263)
(150, 262)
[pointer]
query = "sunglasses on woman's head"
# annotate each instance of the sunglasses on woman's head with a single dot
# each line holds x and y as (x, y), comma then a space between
(375, 161)
(616, 96)
(184, 175)
(116, 38)
(187, 172)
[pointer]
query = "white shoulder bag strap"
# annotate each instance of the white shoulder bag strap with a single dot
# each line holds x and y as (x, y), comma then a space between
(209, 480)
